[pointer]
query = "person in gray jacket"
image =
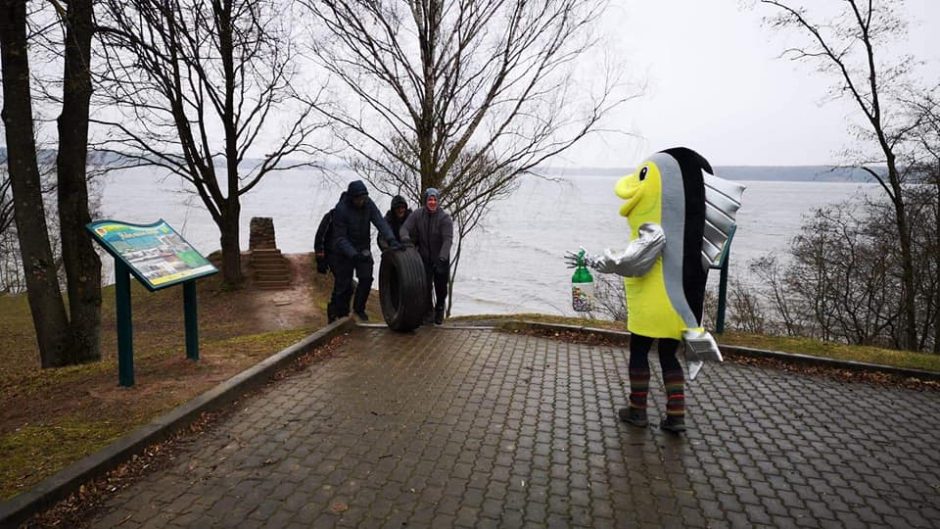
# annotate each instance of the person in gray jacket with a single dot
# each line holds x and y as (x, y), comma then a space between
(431, 230)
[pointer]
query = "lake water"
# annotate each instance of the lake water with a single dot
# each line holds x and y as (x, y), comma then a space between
(513, 262)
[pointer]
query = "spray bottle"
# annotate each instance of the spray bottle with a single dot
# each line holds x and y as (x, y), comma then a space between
(582, 287)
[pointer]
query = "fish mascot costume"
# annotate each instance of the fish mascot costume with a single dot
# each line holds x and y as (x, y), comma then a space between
(680, 218)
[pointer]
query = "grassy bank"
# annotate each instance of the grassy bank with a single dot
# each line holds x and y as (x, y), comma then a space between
(50, 418)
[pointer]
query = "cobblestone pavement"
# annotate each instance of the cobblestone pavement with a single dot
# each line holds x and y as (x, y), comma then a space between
(478, 428)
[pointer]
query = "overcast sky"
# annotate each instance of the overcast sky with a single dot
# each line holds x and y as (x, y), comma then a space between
(716, 84)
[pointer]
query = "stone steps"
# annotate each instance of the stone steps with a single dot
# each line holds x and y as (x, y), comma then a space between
(272, 284)
(270, 269)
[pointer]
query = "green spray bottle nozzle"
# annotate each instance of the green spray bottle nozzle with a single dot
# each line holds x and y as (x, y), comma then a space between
(581, 273)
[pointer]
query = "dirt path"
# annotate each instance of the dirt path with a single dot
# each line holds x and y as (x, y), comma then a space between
(292, 307)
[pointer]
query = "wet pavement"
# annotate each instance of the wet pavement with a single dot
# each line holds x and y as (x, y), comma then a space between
(451, 427)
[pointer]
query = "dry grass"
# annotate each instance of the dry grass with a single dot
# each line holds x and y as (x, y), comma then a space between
(52, 417)
(857, 353)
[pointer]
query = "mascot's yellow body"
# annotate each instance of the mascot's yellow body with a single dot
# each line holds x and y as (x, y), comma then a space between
(667, 193)
(680, 217)
(651, 313)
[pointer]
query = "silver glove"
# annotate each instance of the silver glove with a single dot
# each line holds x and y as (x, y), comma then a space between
(637, 259)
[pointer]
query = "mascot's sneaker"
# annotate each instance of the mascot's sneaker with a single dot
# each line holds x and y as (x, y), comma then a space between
(634, 416)
(673, 423)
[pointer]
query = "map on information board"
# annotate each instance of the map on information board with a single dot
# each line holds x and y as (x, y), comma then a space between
(155, 253)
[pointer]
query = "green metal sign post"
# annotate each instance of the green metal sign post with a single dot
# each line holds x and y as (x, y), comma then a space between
(159, 258)
(192, 321)
(125, 330)
(723, 283)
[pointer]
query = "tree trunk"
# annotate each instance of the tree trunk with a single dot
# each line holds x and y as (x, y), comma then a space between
(230, 209)
(231, 250)
(42, 284)
(908, 301)
(82, 264)
(936, 268)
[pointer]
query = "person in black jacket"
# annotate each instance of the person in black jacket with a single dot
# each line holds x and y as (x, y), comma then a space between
(395, 217)
(321, 241)
(349, 249)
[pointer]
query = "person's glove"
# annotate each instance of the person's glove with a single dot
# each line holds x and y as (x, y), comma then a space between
(571, 258)
(395, 246)
(363, 256)
(322, 265)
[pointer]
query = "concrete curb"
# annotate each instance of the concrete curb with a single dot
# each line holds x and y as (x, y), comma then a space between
(623, 338)
(68, 480)
(445, 327)
(618, 337)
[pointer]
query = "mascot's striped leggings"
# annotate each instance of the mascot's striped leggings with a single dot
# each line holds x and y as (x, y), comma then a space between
(640, 373)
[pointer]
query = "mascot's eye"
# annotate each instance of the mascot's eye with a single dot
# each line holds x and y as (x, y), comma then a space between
(643, 173)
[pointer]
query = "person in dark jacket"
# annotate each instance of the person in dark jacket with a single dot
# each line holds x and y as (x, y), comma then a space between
(395, 217)
(321, 241)
(432, 231)
(349, 249)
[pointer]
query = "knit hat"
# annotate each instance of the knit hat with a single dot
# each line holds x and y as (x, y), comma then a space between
(356, 188)
(399, 200)
(431, 192)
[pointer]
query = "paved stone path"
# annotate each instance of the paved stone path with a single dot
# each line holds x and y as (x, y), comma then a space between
(478, 428)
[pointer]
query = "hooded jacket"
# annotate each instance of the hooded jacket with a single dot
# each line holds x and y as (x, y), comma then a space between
(432, 233)
(393, 221)
(351, 229)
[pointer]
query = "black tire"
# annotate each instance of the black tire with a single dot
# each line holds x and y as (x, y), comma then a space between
(403, 289)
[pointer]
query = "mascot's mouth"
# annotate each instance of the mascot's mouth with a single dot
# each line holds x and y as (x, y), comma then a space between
(629, 189)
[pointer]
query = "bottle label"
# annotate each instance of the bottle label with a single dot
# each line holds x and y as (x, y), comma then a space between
(582, 296)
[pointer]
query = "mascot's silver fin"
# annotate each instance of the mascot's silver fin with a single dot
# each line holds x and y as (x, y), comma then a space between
(700, 347)
(722, 201)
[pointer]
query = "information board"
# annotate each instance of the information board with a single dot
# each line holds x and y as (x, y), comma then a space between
(156, 255)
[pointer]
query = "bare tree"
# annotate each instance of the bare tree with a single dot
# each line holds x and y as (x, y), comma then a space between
(11, 275)
(78, 341)
(924, 162)
(81, 261)
(6, 201)
(846, 46)
(464, 96)
(609, 299)
(745, 312)
(842, 282)
(786, 308)
(45, 300)
(198, 83)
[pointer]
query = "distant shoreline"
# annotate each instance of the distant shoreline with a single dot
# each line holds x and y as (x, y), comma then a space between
(764, 173)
